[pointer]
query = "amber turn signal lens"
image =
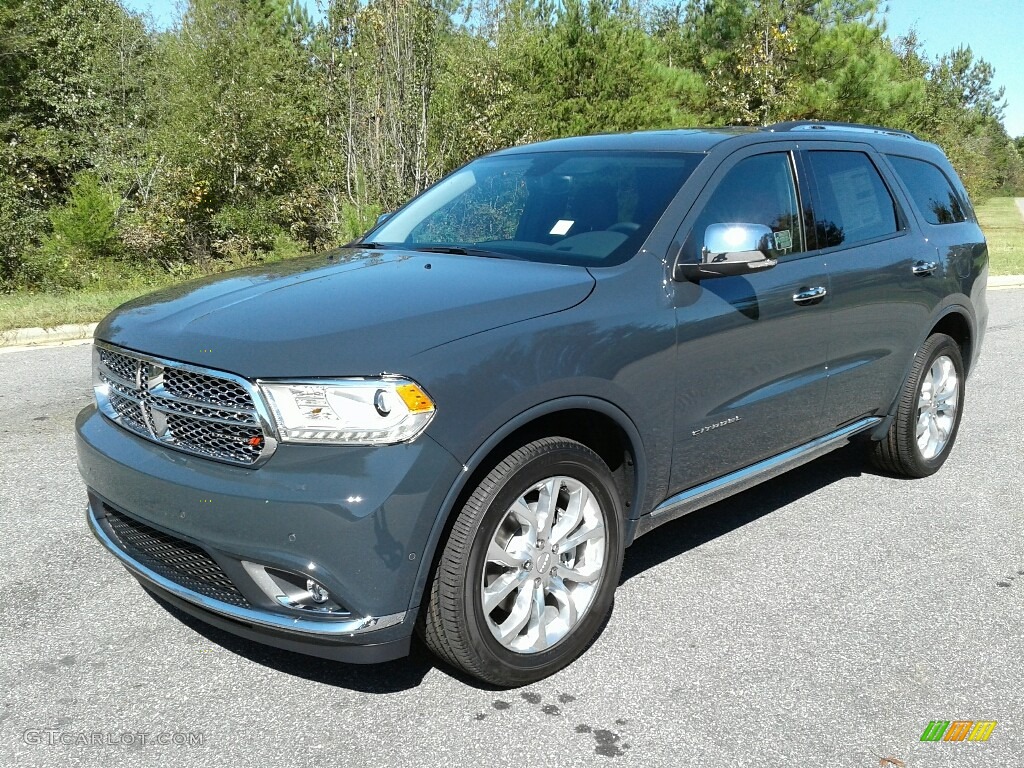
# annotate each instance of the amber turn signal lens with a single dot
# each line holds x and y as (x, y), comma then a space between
(415, 399)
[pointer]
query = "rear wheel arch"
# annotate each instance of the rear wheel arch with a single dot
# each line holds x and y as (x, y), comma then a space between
(956, 324)
(955, 321)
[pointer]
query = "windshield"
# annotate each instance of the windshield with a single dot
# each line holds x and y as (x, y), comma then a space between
(590, 209)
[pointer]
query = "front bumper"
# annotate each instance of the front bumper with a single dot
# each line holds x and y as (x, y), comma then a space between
(355, 518)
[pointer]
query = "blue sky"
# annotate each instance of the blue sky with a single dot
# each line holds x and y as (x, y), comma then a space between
(993, 29)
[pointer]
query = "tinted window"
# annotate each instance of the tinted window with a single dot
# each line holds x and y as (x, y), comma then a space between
(853, 203)
(757, 190)
(931, 190)
(583, 208)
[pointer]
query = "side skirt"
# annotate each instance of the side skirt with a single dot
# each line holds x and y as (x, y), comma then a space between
(727, 485)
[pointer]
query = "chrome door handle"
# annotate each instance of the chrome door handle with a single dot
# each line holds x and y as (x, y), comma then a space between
(924, 267)
(809, 295)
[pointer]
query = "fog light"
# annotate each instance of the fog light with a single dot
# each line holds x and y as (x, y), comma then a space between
(293, 590)
(317, 592)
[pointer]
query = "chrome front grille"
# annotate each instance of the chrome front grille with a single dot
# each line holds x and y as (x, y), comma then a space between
(211, 414)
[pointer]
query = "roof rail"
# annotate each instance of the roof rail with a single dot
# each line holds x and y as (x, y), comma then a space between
(824, 125)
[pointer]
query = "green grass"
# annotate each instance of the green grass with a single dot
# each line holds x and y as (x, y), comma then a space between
(999, 217)
(1001, 220)
(31, 310)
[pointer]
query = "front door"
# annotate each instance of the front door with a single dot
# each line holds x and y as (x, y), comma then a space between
(751, 350)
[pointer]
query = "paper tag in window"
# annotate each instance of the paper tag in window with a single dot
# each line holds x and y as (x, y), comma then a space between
(561, 227)
(783, 240)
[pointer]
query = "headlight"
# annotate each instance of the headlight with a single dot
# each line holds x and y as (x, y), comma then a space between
(370, 411)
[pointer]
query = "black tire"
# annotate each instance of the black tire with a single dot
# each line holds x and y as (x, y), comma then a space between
(455, 625)
(899, 453)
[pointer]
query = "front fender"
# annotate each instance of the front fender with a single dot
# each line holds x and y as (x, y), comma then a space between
(480, 456)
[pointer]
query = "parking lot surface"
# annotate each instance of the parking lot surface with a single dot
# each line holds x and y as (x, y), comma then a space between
(824, 618)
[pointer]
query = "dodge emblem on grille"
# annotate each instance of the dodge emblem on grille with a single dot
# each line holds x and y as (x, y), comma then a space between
(148, 376)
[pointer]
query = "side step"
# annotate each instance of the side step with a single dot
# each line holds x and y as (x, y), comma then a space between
(727, 485)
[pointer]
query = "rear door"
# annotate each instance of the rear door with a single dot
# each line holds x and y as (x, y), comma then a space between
(751, 353)
(879, 303)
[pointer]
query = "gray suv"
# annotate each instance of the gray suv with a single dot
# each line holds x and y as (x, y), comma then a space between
(455, 426)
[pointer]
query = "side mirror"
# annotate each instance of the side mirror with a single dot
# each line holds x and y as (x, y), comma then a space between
(732, 249)
(382, 218)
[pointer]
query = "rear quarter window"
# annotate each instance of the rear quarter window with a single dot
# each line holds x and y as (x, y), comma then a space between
(931, 190)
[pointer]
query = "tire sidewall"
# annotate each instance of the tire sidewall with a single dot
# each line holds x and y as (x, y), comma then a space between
(936, 347)
(569, 460)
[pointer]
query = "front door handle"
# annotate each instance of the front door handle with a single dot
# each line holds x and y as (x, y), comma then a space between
(924, 267)
(809, 295)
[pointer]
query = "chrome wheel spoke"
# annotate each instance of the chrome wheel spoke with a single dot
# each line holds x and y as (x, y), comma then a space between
(498, 554)
(519, 617)
(539, 620)
(580, 536)
(526, 515)
(579, 498)
(544, 564)
(547, 503)
(576, 576)
(567, 606)
(503, 586)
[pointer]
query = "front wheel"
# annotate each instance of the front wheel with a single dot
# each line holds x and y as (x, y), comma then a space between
(529, 571)
(928, 413)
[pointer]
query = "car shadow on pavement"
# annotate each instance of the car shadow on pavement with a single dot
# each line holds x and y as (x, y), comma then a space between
(389, 677)
(674, 538)
(704, 525)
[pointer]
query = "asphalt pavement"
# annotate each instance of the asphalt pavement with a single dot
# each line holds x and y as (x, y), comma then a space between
(822, 619)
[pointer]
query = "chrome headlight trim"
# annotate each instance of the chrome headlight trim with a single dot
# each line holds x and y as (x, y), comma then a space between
(383, 381)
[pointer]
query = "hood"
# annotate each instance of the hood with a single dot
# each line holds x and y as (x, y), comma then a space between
(343, 313)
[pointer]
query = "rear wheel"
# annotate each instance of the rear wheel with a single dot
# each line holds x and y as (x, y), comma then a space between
(928, 413)
(529, 571)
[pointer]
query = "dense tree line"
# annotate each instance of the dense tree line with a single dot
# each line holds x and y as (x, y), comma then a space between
(252, 128)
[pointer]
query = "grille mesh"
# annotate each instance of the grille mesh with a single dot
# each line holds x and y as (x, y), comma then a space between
(176, 560)
(213, 439)
(201, 413)
(120, 365)
(207, 389)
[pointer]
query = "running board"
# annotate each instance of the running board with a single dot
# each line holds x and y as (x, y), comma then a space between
(716, 490)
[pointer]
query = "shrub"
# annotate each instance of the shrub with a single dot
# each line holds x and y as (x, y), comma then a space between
(82, 237)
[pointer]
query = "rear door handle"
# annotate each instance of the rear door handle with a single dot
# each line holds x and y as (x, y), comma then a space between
(924, 267)
(809, 295)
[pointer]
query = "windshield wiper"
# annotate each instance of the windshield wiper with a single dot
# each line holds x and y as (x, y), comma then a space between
(361, 244)
(459, 250)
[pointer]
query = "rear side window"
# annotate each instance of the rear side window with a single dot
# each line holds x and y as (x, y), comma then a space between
(853, 203)
(933, 195)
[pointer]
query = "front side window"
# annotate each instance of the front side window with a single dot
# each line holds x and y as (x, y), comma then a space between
(853, 204)
(930, 188)
(757, 190)
(587, 208)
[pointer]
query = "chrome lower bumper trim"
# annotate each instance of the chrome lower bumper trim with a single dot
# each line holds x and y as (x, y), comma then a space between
(323, 629)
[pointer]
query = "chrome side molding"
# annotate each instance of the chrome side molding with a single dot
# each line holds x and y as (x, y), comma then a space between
(716, 490)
